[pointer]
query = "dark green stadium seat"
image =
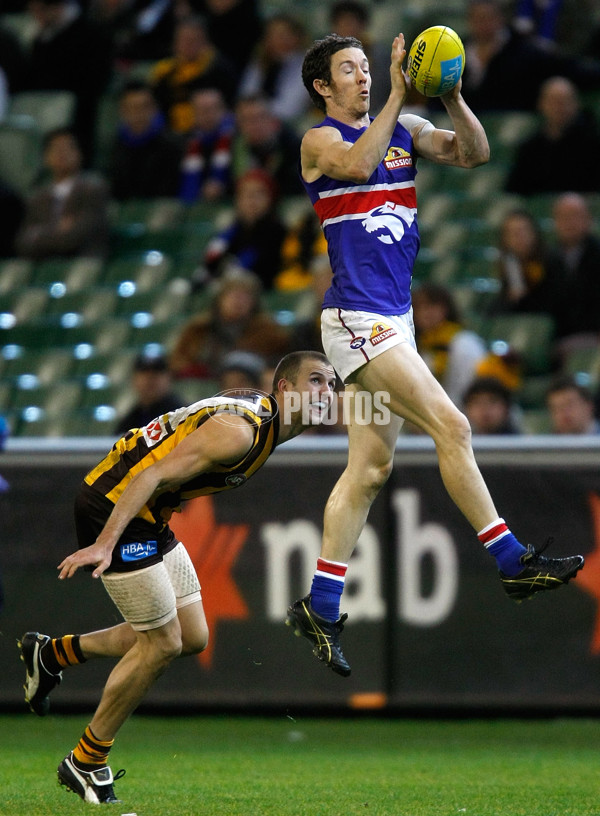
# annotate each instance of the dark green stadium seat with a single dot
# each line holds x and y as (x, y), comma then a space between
(532, 394)
(146, 270)
(6, 389)
(584, 361)
(531, 335)
(536, 421)
(36, 335)
(49, 109)
(51, 271)
(14, 273)
(20, 152)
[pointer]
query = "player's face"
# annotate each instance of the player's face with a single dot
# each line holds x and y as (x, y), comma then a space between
(316, 384)
(350, 86)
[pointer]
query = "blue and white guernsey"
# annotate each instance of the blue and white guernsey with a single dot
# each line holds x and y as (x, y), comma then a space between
(371, 229)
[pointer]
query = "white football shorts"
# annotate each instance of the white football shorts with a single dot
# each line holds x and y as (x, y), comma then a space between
(149, 598)
(351, 339)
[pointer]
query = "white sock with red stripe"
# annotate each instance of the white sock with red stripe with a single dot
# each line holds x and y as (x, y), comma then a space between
(327, 587)
(501, 543)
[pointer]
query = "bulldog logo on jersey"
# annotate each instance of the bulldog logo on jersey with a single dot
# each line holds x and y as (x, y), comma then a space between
(381, 332)
(389, 222)
(397, 157)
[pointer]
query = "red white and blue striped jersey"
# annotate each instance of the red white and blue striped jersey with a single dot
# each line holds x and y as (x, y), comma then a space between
(371, 229)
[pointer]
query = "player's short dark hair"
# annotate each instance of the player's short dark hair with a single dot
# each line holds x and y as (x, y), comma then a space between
(317, 63)
(289, 366)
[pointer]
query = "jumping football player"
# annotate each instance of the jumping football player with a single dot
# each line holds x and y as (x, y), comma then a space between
(360, 175)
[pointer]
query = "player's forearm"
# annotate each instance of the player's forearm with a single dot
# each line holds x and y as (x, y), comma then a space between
(471, 141)
(134, 497)
(368, 151)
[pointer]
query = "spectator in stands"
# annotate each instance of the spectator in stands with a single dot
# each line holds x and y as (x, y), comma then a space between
(4, 94)
(235, 321)
(241, 371)
(303, 250)
(573, 268)
(352, 18)
(195, 63)
(505, 70)
(504, 363)
(12, 210)
(254, 238)
(557, 25)
(275, 70)
(234, 26)
(68, 215)
(152, 384)
(489, 406)
(139, 30)
(306, 333)
(571, 407)
(592, 45)
(566, 129)
(12, 58)
(263, 140)
(4, 485)
(206, 166)
(70, 54)
(145, 158)
(522, 264)
(451, 351)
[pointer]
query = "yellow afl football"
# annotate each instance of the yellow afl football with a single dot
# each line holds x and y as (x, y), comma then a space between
(436, 61)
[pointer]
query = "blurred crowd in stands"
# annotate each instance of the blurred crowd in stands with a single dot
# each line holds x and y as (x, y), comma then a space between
(204, 103)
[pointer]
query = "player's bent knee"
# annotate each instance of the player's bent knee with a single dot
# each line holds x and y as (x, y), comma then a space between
(195, 643)
(456, 428)
(165, 646)
(375, 476)
(462, 428)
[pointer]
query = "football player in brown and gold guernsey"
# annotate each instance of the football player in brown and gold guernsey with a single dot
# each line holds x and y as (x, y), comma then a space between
(122, 512)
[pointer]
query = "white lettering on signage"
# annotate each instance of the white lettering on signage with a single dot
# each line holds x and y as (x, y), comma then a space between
(414, 542)
(295, 545)
(301, 540)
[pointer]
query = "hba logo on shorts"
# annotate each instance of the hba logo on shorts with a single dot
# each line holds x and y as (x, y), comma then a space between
(381, 332)
(138, 550)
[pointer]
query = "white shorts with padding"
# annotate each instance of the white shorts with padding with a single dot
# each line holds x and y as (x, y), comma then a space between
(150, 597)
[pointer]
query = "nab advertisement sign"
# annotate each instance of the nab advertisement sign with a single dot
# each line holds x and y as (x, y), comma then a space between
(429, 625)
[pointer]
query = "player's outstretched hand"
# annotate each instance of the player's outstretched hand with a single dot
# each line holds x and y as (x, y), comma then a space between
(95, 555)
(398, 77)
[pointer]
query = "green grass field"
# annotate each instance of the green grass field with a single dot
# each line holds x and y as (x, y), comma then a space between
(250, 766)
